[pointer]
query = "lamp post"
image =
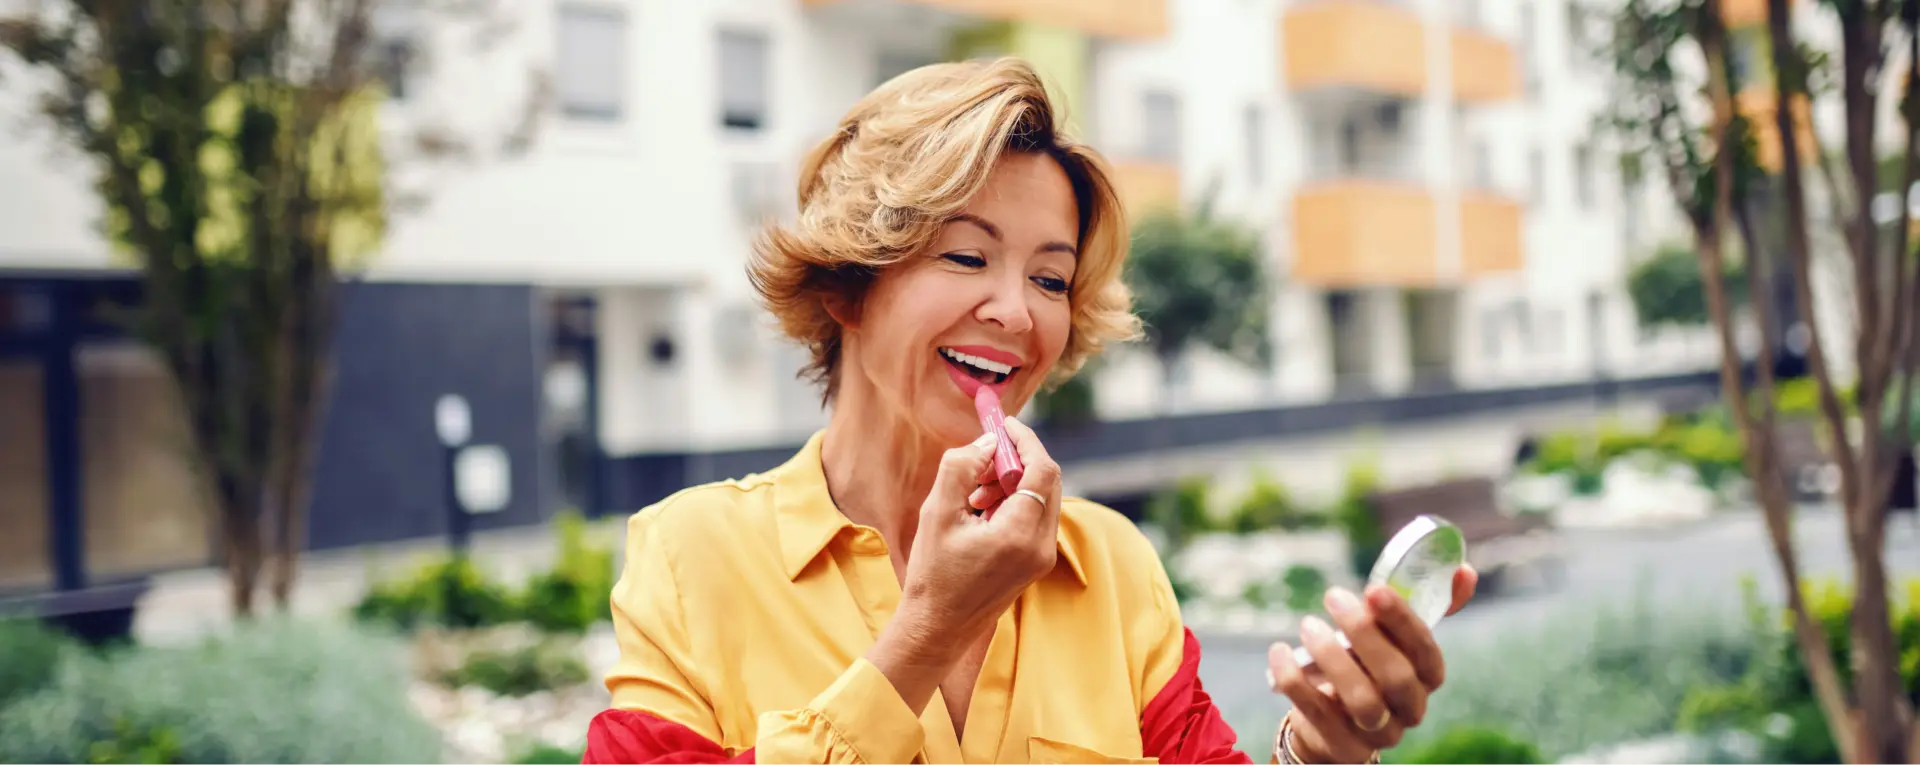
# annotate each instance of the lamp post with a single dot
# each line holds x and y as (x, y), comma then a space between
(453, 422)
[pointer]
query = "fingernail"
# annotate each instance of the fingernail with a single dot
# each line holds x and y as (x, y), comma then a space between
(1340, 602)
(1312, 626)
(1380, 597)
(985, 441)
(1272, 682)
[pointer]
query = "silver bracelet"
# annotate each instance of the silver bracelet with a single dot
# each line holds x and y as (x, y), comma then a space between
(1283, 747)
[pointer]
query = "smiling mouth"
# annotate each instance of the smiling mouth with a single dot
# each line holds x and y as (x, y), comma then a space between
(990, 372)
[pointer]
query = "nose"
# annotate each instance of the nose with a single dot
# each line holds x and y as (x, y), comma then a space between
(1006, 305)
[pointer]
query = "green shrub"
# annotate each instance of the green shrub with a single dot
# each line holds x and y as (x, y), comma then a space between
(1592, 677)
(1182, 511)
(548, 754)
(1354, 513)
(272, 691)
(455, 593)
(29, 655)
(1775, 688)
(543, 666)
(1474, 744)
(1305, 586)
(449, 593)
(578, 591)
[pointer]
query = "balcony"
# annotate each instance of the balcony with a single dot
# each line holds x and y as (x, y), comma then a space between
(1485, 68)
(1147, 186)
(1490, 226)
(1741, 13)
(1360, 233)
(1371, 45)
(1136, 19)
(1758, 104)
(1366, 233)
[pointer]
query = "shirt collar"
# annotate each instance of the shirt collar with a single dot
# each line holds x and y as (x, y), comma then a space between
(809, 520)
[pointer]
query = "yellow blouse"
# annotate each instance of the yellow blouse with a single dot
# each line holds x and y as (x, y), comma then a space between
(745, 607)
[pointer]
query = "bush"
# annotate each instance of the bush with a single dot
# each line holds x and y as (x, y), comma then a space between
(578, 591)
(1774, 699)
(548, 754)
(29, 655)
(1305, 586)
(273, 691)
(455, 593)
(1182, 511)
(1355, 515)
(543, 666)
(1474, 744)
(447, 593)
(1595, 677)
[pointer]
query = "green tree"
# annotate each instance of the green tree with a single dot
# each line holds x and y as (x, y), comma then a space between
(1693, 133)
(1198, 279)
(1667, 289)
(243, 171)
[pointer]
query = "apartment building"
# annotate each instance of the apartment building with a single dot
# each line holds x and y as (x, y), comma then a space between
(1424, 172)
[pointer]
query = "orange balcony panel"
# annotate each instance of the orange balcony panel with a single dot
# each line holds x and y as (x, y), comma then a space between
(1354, 43)
(1364, 233)
(1758, 105)
(1141, 19)
(1490, 235)
(1147, 186)
(1742, 13)
(1485, 67)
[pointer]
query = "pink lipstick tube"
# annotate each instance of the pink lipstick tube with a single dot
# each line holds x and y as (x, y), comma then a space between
(1006, 459)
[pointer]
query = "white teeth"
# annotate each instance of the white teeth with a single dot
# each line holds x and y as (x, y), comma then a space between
(977, 362)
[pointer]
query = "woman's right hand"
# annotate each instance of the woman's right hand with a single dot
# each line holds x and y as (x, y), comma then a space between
(964, 569)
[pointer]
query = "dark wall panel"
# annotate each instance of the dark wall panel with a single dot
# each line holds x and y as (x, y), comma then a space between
(399, 348)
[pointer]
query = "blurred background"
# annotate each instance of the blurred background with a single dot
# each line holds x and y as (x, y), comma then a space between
(1391, 257)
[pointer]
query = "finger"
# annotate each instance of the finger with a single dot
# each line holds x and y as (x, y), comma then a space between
(1351, 684)
(1313, 699)
(986, 496)
(1466, 581)
(1406, 630)
(1042, 473)
(954, 481)
(1392, 673)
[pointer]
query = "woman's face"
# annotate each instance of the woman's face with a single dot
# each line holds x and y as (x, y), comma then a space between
(985, 304)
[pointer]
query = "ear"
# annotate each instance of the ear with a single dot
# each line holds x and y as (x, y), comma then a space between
(845, 312)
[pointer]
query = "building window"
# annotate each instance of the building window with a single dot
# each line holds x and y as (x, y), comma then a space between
(394, 60)
(1536, 177)
(591, 62)
(743, 80)
(1529, 52)
(1256, 156)
(1583, 182)
(1160, 126)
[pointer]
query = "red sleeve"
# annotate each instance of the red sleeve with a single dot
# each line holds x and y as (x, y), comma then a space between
(1181, 724)
(623, 736)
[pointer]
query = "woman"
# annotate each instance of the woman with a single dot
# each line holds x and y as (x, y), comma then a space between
(877, 598)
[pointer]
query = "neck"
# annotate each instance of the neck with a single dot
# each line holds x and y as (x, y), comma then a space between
(879, 467)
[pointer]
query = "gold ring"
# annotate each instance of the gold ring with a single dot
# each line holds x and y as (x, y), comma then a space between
(1386, 716)
(1035, 495)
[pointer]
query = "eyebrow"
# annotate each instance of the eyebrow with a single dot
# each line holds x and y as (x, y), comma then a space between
(994, 231)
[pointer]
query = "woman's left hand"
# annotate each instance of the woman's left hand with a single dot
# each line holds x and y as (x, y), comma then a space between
(1356, 702)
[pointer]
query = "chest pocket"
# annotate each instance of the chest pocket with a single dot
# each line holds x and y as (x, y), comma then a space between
(1044, 750)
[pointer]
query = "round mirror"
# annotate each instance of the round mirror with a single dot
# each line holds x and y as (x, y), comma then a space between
(1419, 563)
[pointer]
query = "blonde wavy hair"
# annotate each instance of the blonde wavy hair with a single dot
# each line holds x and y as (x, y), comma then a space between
(903, 162)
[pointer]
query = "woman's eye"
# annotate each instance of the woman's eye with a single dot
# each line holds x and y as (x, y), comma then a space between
(970, 261)
(1053, 285)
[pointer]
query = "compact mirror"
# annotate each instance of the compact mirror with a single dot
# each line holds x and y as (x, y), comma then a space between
(1419, 563)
